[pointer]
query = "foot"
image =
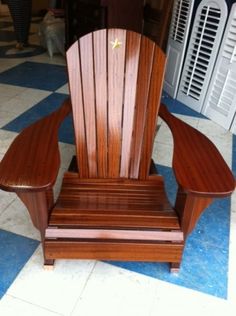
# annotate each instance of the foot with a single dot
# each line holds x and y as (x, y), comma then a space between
(21, 46)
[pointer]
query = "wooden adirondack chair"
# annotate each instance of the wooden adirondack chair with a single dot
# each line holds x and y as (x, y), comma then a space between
(112, 203)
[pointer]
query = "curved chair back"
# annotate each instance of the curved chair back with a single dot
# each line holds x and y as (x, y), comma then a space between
(115, 80)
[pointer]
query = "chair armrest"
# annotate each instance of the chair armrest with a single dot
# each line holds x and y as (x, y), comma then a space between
(198, 166)
(32, 161)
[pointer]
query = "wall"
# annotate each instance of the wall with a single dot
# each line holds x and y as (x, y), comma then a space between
(37, 6)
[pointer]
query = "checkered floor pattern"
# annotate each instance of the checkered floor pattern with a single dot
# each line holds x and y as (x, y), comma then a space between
(33, 85)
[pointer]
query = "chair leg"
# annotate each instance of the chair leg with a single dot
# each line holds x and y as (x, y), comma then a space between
(49, 264)
(174, 267)
(189, 209)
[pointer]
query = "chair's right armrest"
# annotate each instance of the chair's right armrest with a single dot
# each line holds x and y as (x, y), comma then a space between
(198, 165)
(32, 161)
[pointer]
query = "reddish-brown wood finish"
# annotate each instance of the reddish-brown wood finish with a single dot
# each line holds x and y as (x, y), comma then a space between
(114, 250)
(113, 89)
(189, 208)
(113, 205)
(124, 204)
(199, 167)
(38, 207)
(33, 158)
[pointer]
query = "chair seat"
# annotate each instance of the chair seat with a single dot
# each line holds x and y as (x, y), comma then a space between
(103, 216)
(111, 204)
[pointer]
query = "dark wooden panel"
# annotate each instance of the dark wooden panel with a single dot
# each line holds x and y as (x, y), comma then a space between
(124, 14)
(125, 251)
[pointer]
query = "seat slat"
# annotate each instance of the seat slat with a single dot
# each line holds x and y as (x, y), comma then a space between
(114, 234)
(134, 204)
(113, 201)
(109, 222)
(100, 211)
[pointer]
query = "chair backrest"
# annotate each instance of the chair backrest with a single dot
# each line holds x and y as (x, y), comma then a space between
(115, 81)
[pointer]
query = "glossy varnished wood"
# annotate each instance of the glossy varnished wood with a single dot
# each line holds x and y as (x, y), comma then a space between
(199, 167)
(112, 203)
(33, 158)
(112, 90)
(124, 204)
(114, 250)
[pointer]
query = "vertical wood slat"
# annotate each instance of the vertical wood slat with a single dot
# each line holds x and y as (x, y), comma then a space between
(144, 77)
(100, 72)
(154, 97)
(131, 74)
(74, 73)
(87, 73)
(116, 68)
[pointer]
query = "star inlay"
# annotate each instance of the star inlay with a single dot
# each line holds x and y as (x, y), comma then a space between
(116, 43)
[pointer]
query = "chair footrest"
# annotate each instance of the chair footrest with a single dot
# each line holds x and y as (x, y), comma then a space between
(114, 250)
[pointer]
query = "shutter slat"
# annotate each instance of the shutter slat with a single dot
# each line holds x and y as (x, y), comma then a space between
(200, 58)
(177, 40)
(220, 101)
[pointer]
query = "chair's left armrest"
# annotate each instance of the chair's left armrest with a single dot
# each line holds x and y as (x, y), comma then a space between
(32, 161)
(198, 165)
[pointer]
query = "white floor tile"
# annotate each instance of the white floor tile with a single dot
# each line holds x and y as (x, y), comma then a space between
(164, 135)
(56, 290)
(6, 117)
(114, 291)
(6, 199)
(192, 121)
(174, 300)
(10, 91)
(16, 219)
(6, 138)
(64, 89)
(11, 306)
(24, 101)
(162, 154)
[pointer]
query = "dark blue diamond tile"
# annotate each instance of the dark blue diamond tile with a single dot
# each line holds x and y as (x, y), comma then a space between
(41, 109)
(35, 75)
(15, 251)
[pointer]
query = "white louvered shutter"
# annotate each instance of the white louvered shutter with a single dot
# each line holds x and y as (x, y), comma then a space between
(177, 40)
(220, 102)
(233, 126)
(205, 40)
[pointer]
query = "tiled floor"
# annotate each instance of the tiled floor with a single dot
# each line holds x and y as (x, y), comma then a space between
(34, 85)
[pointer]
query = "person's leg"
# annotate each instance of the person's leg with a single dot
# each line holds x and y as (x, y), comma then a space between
(21, 14)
